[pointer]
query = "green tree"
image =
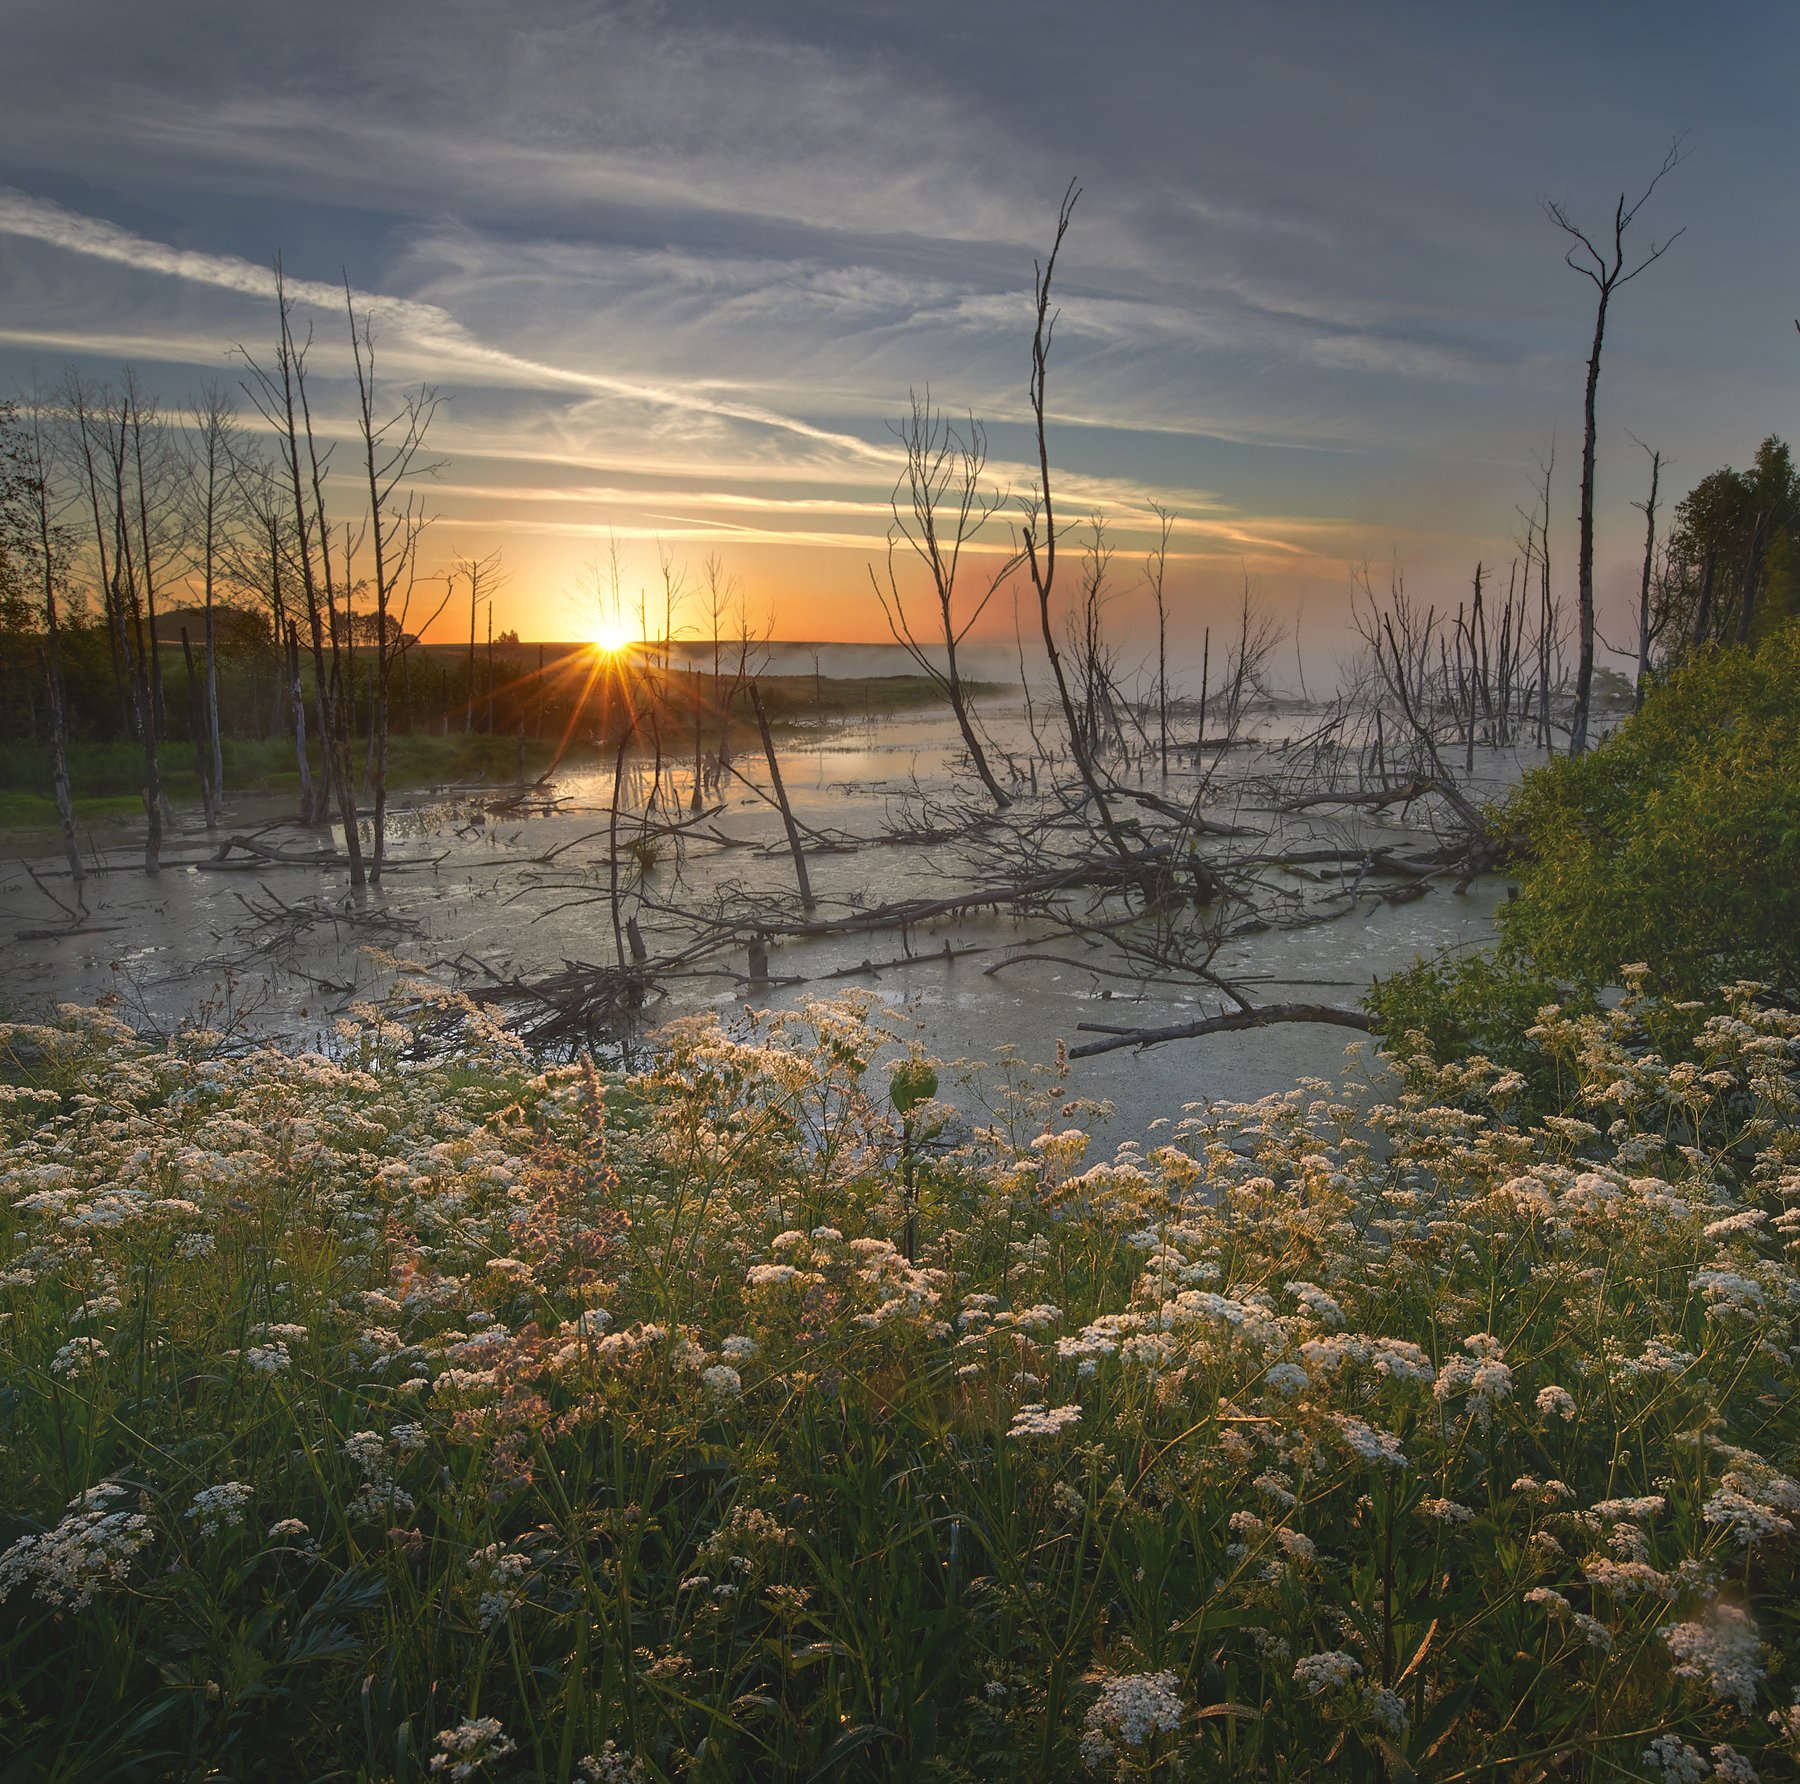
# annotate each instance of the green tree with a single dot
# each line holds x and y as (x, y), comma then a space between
(1730, 571)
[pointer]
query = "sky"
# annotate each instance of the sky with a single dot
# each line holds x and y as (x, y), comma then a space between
(674, 268)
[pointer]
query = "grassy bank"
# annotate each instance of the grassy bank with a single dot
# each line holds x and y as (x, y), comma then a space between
(106, 776)
(380, 1420)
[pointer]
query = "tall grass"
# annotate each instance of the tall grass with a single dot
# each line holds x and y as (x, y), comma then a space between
(390, 1416)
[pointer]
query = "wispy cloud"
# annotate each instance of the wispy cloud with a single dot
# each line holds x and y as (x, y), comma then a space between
(426, 327)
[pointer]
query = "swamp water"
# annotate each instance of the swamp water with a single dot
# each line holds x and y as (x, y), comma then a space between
(519, 894)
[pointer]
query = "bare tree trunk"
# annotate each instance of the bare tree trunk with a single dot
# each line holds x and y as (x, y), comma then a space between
(59, 768)
(807, 902)
(197, 729)
(309, 805)
(1039, 528)
(1605, 270)
(1752, 578)
(38, 470)
(1155, 566)
(1645, 634)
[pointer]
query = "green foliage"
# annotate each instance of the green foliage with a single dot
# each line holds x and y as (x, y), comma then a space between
(1732, 538)
(1677, 841)
(1475, 1004)
(366, 1411)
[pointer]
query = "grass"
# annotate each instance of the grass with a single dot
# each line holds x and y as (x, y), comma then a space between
(106, 777)
(415, 1413)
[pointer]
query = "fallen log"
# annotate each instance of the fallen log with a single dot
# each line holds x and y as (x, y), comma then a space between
(1229, 1023)
(1370, 799)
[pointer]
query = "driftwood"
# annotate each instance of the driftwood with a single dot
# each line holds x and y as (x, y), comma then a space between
(1368, 798)
(1229, 1023)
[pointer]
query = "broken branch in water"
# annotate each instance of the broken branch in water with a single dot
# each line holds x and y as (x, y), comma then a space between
(1229, 1023)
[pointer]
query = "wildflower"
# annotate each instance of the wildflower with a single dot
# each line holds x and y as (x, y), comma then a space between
(1646, 1506)
(497, 1572)
(1675, 1761)
(1446, 1511)
(221, 1508)
(1316, 1302)
(1362, 1440)
(1132, 1708)
(268, 1359)
(1298, 1547)
(1749, 1522)
(610, 1766)
(1287, 1378)
(1627, 1579)
(1331, 1670)
(78, 1358)
(738, 1349)
(1731, 1767)
(1482, 1376)
(1556, 1401)
(283, 1528)
(1720, 1653)
(1385, 1710)
(722, 1381)
(92, 1548)
(466, 1748)
(1729, 1295)
(769, 1275)
(1038, 1420)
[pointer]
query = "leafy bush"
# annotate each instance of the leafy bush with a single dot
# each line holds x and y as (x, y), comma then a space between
(376, 1418)
(1677, 841)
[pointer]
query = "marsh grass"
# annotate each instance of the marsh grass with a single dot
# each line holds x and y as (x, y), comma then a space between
(441, 1415)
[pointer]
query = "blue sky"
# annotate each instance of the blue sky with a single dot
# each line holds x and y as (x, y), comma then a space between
(675, 266)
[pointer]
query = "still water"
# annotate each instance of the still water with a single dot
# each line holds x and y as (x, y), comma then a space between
(516, 894)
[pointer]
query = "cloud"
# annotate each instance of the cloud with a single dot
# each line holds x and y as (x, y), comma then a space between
(429, 329)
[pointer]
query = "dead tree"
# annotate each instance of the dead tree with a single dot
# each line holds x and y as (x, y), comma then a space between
(34, 533)
(279, 392)
(1649, 625)
(1155, 565)
(486, 577)
(1038, 528)
(391, 454)
(807, 901)
(104, 429)
(211, 486)
(1605, 268)
(944, 510)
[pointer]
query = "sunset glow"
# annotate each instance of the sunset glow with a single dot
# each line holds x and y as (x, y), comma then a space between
(612, 635)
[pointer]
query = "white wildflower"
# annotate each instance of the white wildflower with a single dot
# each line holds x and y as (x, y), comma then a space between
(1132, 1708)
(1331, 1670)
(610, 1766)
(1037, 1420)
(1556, 1402)
(466, 1748)
(1722, 1653)
(78, 1358)
(1731, 1767)
(221, 1508)
(1674, 1761)
(92, 1548)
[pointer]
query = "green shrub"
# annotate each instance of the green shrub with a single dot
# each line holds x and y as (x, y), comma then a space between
(1677, 841)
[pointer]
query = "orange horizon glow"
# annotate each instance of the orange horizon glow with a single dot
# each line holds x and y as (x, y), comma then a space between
(612, 636)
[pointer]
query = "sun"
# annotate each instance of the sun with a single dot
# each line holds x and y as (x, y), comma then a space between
(611, 636)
